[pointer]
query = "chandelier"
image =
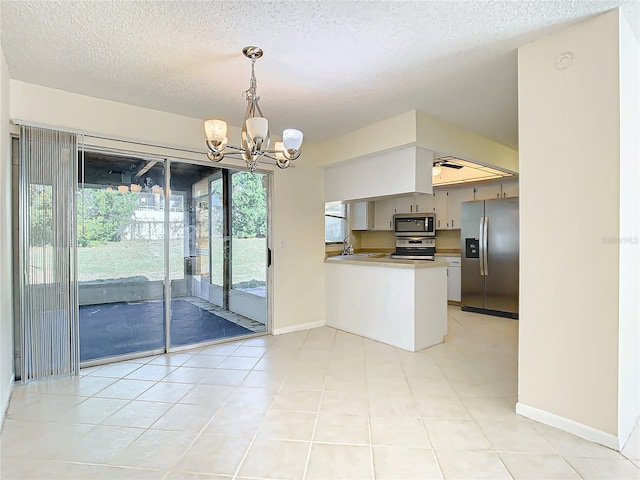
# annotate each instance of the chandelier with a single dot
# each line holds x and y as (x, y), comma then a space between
(255, 131)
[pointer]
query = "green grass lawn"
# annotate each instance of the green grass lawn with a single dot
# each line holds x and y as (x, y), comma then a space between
(130, 258)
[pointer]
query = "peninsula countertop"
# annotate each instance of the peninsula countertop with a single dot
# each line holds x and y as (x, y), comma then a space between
(385, 260)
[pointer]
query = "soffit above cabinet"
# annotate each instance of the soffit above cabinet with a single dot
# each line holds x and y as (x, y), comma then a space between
(398, 172)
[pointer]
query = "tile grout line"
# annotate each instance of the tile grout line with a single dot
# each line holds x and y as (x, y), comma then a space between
(255, 435)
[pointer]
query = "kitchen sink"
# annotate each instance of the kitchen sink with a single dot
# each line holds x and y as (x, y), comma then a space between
(374, 255)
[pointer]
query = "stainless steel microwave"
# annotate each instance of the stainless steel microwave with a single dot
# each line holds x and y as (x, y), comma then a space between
(414, 224)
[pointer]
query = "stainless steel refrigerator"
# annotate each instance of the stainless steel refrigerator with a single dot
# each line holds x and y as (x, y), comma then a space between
(490, 240)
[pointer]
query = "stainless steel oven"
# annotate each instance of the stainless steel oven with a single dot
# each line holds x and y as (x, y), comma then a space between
(415, 248)
(414, 224)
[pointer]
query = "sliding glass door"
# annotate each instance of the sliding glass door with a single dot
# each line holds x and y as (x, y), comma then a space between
(202, 307)
(170, 254)
(249, 247)
(121, 256)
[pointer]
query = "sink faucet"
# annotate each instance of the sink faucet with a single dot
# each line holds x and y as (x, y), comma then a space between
(347, 245)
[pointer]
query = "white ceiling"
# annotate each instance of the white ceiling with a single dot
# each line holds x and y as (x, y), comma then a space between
(329, 66)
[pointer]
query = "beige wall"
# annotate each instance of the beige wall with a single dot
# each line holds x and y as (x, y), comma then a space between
(417, 128)
(389, 134)
(298, 201)
(6, 310)
(446, 139)
(569, 281)
(447, 239)
(376, 239)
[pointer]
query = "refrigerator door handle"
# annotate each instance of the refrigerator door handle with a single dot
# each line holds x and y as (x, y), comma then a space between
(481, 246)
(485, 245)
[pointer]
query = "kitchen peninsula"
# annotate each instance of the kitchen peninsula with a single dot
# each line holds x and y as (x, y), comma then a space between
(395, 301)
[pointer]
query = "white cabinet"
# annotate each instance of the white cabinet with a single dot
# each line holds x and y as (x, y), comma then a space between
(454, 279)
(424, 203)
(383, 211)
(361, 214)
(440, 209)
(404, 204)
(454, 205)
(416, 203)
(489, 191)
(497, 190)
(510, 189)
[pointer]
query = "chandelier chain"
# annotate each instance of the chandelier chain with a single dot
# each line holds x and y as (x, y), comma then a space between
(253, 84)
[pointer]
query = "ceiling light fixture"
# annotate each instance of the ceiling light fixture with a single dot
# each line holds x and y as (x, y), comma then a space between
(255, 137)
(444, 162)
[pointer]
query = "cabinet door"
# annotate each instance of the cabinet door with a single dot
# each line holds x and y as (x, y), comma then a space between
(453, 284)
(404, 204)
(424, 203)
(361, 214)
(510, 189)
(454, 204)
(383, 214)
(440, 202)
(487, 192)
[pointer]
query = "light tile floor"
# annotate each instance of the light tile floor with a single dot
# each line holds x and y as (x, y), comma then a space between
(316, 404)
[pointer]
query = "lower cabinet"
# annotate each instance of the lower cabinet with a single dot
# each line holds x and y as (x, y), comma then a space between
(454, 279)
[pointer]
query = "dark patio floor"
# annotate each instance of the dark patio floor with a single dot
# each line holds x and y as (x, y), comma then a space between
(111, 329)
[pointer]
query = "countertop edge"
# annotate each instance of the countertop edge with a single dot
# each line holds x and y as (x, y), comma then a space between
(386, 262)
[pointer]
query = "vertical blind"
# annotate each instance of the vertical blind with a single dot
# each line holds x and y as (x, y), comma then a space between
(48, 287)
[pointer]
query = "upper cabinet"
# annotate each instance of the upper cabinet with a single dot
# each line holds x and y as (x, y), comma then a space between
(424, 203)
(384, 214)
(454, 205)
(510, 189)
(416, 203)
(489, 191)
(497, 190)
(361, 215)
(404, 204)
(440, 200)
(446, 204)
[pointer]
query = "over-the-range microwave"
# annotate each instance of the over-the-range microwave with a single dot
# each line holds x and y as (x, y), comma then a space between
(414, 224)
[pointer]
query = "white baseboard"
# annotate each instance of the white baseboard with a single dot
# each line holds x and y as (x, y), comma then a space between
(5, 402)
(297, 328)
(567, 425)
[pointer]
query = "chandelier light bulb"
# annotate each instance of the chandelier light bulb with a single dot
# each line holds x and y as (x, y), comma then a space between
(436, 170)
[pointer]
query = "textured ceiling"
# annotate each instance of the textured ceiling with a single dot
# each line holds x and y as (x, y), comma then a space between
(329, 66)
